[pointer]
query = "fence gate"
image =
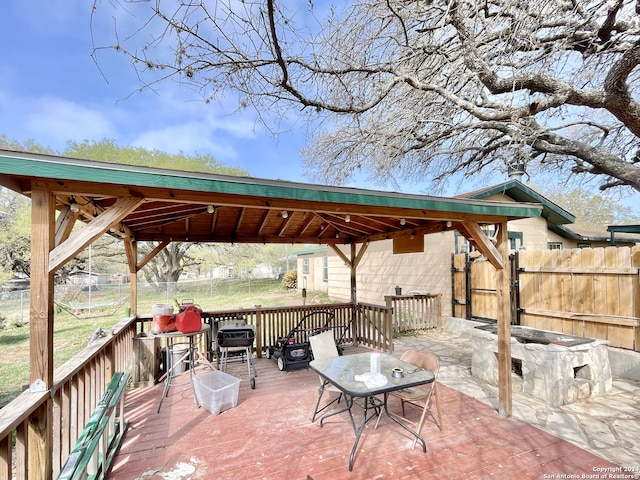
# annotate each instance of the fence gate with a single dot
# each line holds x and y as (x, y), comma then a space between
(473, 289)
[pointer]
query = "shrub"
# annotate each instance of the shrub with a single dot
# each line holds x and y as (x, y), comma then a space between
(290, 279)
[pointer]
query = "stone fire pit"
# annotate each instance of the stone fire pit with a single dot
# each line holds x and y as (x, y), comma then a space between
(551, 366)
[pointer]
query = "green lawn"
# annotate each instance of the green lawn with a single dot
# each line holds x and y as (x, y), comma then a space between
(72, 331)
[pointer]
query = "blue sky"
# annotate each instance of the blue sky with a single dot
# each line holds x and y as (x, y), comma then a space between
(52, 91)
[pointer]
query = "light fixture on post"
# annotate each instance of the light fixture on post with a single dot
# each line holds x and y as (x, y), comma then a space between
(284, 214)
(211, 209)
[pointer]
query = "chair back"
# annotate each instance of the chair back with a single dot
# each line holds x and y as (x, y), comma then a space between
(427, 360)
(323, 345)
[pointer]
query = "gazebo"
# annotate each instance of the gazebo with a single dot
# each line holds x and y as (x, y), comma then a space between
(143, 204)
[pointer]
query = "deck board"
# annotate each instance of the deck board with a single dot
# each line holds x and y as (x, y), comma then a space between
(269, 435)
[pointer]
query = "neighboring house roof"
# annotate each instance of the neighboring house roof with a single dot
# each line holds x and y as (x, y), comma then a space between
(557, 217)
(312, 251)
(518, 191)
(586, 235)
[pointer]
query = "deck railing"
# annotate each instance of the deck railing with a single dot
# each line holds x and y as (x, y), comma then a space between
(78, 386)
(80, 383)
(415, 311)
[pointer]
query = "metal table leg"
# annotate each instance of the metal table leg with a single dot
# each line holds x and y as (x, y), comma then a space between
(395, 419)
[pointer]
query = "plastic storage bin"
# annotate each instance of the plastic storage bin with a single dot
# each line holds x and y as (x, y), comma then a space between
(217, 391)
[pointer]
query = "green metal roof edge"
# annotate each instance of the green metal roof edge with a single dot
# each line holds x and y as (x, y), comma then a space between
(566, 232)
(534, 196)
(624, 228)
(62, 168)
(311, 251)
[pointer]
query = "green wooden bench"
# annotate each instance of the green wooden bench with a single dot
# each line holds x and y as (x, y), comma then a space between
(98, 443)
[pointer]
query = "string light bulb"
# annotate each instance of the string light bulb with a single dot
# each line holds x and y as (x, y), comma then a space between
(347, 218)
(210, 209)
(284, 214)
(403, 222)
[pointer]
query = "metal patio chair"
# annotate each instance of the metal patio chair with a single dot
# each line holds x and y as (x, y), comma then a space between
(420, 397)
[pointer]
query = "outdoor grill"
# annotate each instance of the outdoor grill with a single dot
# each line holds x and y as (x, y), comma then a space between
(237, 339)
(236, 336)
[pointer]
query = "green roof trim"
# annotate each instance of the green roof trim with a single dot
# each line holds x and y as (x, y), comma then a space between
(311, 251)
(624, 228)
(61, 168)
(521, 193)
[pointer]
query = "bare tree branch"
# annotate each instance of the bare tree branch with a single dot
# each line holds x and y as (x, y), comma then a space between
(407, 90)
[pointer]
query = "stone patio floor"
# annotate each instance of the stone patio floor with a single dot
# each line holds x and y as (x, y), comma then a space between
(608, 426)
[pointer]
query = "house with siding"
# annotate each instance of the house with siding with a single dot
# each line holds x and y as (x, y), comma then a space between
(430, 269)
(313, 274)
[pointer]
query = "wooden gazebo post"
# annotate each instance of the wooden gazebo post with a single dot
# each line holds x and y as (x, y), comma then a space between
(504, 324)
(41, 331)
(352, 262)
(498, 256)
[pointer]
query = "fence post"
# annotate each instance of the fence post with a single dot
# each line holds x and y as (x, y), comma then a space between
(388, 327)
(438, 310)
(388, 302)
(258, 331)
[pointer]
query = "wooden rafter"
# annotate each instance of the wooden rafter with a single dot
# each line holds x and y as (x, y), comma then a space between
(78, 241)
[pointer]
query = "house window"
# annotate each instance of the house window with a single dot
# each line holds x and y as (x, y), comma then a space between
(554, 245)
(305, 266)
(515, 240)
(325, 269)
(462, 244)
(584, 245)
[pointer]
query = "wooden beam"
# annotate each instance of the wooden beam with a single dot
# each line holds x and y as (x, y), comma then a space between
(483, 243)
(64, 224)
(77, 242)
(263, 223)
(131, 249)
(342, 256)
(40, 437)
(152, 254)
(363, 249)
(503, 283)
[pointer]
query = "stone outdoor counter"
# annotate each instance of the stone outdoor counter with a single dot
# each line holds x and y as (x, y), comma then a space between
(556, 368)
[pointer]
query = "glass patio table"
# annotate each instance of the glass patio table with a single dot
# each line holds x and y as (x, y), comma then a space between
(342, 372)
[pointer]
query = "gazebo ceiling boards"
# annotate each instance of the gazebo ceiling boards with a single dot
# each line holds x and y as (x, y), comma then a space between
(171, 205)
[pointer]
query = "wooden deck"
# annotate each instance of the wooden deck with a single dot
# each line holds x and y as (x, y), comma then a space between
(269, 435)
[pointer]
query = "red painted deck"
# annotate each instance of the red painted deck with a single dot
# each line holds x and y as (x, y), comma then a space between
(269, 435)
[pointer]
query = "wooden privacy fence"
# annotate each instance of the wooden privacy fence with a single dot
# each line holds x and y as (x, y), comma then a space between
(582, 292)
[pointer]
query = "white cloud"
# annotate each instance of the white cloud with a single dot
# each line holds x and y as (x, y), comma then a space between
(189, 138)
(53, 121)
